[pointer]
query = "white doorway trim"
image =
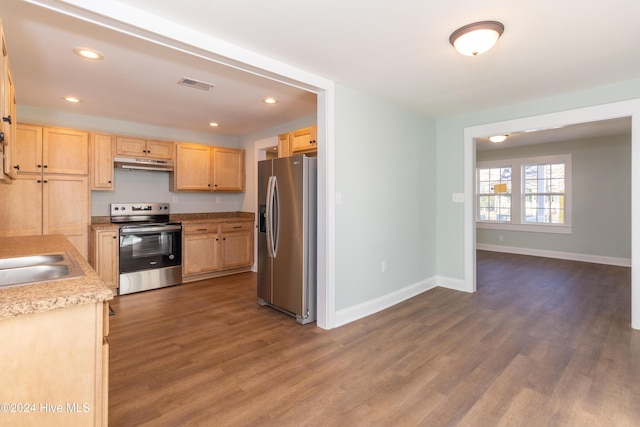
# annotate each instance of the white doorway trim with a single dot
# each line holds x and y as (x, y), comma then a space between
(547, 121)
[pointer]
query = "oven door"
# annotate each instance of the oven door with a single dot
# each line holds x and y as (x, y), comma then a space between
(149, 246)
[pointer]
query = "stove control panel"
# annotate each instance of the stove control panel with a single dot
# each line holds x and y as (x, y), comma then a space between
(119, 209)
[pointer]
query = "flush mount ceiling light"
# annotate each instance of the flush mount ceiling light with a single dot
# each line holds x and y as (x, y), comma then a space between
(72, 99)
(213, 124)
(270, 100)
(88, 53)
(496, 139)
(476, 38)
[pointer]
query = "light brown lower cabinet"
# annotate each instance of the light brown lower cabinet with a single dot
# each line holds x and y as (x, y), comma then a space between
(55, 367)
(47, 204)
(104, 251)
(213, 249)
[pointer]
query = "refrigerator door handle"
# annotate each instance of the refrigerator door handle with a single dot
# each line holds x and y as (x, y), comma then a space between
(275, 229)
(269, 216)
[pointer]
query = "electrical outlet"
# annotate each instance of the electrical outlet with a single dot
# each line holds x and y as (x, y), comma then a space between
(383, 266)
(500, 238)
(457, 197)
(218, 199)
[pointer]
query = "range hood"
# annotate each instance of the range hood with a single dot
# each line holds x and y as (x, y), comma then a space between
(142, 164)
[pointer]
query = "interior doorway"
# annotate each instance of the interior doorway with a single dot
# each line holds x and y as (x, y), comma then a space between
(590, 114)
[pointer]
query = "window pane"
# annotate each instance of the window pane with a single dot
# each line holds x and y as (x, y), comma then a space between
(557, 185)
(557, 171)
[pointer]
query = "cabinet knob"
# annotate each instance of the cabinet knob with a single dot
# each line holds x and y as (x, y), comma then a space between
(17, 167)
(109, 182)
(1, 136)
(45, 166)
(39, 166)
(39, 181)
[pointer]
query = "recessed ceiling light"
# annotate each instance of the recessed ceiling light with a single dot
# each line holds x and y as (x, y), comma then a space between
(497, 138)
(88, 53)
(270, 100)
(213, 124)
(72, 99)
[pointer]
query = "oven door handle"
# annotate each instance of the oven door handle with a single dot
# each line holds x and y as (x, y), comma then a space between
(149, 230)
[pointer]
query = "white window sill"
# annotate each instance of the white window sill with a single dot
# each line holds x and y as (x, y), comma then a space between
(538, 228)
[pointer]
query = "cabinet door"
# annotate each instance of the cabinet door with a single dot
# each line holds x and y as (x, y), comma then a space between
(106, 256)
(28, 149)
(21, 201)
(201, 253)
(65, 207)
(284, 149)
(160, 150)
(135, 147)
(9, 127)
(237, 245)
(192, 167)
(228, 169)
(65, 151)
(101, 162)
(304, 140)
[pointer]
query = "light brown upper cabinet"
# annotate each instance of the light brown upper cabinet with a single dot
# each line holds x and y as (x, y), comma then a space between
(204, 168)
(139, 147)
(7, 115)
(301, 141)
(101, 161)
(228, 169)
(51, 150)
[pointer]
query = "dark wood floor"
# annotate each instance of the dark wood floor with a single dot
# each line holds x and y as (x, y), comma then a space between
(542, 343)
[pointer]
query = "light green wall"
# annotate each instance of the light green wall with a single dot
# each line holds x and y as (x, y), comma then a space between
(450, 172)
(601, 198)
(385, 174)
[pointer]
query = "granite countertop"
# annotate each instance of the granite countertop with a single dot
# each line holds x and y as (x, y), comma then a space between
(44, 296)
(104, 221)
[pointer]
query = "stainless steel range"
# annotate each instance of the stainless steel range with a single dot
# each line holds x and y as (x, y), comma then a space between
(150, 246)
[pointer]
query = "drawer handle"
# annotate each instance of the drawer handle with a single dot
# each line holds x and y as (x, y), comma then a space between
(203, 229)
(237, 226)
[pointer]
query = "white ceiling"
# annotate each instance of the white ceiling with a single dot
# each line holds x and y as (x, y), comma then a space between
(397, 50)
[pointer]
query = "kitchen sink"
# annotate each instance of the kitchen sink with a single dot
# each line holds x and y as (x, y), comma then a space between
(39, 268)
(26, 261)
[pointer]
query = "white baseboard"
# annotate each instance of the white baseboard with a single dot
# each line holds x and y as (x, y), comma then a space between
(454, 284)
(368, 308)
(596, 259)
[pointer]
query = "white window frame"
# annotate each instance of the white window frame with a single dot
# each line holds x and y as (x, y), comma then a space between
(517, 222)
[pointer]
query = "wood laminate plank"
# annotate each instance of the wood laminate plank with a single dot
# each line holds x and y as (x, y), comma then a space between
(542, 342)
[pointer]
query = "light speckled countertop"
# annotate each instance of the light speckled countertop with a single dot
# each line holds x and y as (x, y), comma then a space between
(44, 296)
(98, 222)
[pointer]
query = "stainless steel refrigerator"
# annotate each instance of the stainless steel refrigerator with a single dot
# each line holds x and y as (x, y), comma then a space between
(287, 236)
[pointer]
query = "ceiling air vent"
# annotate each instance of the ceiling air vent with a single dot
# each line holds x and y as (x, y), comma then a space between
(195, 84)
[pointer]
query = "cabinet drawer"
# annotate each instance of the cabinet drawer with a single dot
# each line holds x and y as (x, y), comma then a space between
(200, 229)
(238, 226)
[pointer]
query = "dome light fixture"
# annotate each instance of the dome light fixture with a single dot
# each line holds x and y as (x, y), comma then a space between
(477, 38)
(214, 124)
(270, 100)
(496, 139)
(72, 99)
